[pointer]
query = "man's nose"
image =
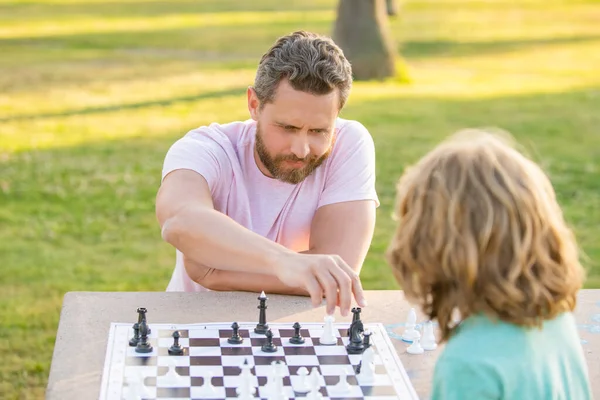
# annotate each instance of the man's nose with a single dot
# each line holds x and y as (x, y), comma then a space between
(300, 146)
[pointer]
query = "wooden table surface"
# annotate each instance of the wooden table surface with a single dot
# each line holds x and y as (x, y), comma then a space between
(80, 348)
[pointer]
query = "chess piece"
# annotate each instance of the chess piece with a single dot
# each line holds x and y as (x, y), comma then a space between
(415, 347)
(276, 387)
(246, 388)
(315, 385)
(366, 338)
(410, 333)
(297, 338)
(142, 317)
(262, 327)
(143, 346)
(328, 336)
(342, 386)
(176, 349)
(235, 336)
(136, 335)
(171, 378)
(355, 345)
(428, 342)
(269, 347)
(303, 385)
(367, 370)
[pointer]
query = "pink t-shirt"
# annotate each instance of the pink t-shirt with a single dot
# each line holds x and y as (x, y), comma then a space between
(224, 155)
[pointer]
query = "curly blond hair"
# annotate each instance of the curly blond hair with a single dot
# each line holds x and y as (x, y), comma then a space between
(480, 231)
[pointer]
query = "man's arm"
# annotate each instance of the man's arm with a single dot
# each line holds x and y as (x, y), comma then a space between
(207, 237)
(345, 229)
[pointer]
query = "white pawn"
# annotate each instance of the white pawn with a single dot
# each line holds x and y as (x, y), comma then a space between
(415, 347)
(328, 336)
(410, 333)
(304, 385)
(207, 389)
(315, 385)
(342, 386)
(428, 342)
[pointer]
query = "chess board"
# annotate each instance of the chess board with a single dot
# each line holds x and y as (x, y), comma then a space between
(208, 355)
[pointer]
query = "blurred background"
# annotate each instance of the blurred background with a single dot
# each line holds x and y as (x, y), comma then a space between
(93, 93)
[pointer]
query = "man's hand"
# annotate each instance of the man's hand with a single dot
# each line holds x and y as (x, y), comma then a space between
(322, 274)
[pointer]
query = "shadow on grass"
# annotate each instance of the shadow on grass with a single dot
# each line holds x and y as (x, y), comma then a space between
(132, 106)
(437, 48)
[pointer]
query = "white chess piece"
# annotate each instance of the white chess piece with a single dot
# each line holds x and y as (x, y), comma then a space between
(207, 389)
(410, 333)
(367, 366)
(328, 336)
(136, 389)
(428, 342)
(415, 347)
(277, 389)
(315, 385)
(246, 389)
(303, 385)
(172, 378)
(342, 386)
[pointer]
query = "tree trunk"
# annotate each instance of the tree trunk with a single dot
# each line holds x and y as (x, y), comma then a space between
(362, 32)
(392, 7)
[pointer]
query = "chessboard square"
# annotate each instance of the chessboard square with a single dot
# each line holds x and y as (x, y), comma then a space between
(204, 342)
(132, 353)
(204, 333)
(183, 371)
(332, 380)
(288, 333)
(205, 370)
(236, 361)
(146, 372)
(236, 351)
(166, 333)
(299, 351)
(168, 342)
(230, 392)
(149, 391)
(330, 351)
(335, 360)
(179, 361)
(235, 371)
(258, 351)
(355, 358)
(377, 380)
(335, 393)
(254, 335)
(378, 390)
(140, 361)
(205, 360)
(294, 369)
(264, 380)
(198, 393)
(258, 342)
(334, 370)
(234, 381)
(224, 343)
(199, 380)
(163, 352)
(173, 393)
(267, 360)
(204, 351)
(267, 370)
(263, 392)
(226, 333)
(162, 381)
(307, 360)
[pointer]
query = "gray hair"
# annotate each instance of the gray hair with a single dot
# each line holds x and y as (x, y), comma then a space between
(312, 63)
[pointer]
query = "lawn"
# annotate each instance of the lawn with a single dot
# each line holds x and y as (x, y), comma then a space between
(92, 94)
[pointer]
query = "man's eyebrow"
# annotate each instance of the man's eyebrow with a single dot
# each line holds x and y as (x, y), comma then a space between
(295, 127)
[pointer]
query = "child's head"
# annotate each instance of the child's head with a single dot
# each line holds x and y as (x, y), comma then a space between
(480, 231)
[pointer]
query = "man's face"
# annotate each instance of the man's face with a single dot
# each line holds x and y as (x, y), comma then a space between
(294, 133)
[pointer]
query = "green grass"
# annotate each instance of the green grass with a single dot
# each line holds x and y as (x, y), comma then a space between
(92, 94)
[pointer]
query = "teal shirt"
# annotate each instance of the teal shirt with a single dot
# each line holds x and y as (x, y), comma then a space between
(497, 360)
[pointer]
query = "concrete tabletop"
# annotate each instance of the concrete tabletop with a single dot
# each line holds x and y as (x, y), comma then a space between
(80, 348)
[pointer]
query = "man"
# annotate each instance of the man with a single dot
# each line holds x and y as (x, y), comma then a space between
(284, 202)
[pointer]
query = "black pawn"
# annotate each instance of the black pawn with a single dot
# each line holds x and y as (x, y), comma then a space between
(235, 336)
(297, 338)
(143, 345)
(262, 327)
(142, 317)
(366, 339)
(176, 349)
(269, 347)
(136, 335)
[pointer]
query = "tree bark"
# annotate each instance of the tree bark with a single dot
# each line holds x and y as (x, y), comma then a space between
(362, 32)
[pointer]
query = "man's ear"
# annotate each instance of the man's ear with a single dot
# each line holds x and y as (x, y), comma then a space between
(253, 103)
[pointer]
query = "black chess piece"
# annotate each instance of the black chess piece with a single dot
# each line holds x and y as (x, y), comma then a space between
(269, 347)
(136, 335)
(142, 317)
(355, 345)
(176, 349)
(297, 338)
(358, 366)
(355, 316)
(262, 327)
(235, 336)
(366, 339)
(143, 345)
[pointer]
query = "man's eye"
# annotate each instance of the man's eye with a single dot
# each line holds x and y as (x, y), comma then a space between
(289, 128)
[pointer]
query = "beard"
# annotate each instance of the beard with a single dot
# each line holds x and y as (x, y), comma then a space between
(275, 164)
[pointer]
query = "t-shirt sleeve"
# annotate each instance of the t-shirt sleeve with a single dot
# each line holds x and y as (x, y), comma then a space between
(456, 379)
(351, 174)
(196, 152)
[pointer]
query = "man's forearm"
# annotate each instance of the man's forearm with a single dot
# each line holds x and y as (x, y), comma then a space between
(209, 237)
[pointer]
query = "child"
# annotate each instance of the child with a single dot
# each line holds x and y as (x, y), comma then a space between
(481, 246)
